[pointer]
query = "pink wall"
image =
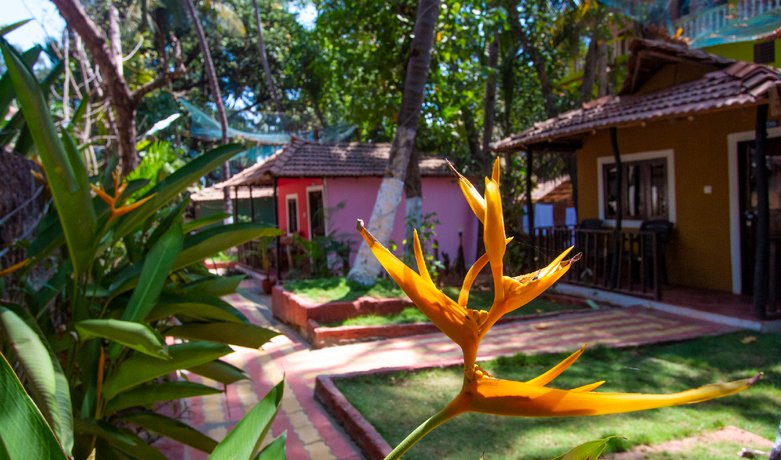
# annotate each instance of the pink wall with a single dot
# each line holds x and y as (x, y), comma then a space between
(295, 186)
(351, 198)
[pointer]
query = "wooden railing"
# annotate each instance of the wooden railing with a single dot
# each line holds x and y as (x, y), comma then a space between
(712, 20)
(630, 262)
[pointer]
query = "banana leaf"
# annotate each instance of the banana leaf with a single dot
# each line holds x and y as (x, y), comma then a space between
(173, 429)
(157, 392)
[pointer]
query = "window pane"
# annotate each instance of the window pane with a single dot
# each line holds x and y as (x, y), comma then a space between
(292, 216)
(633, 192)
(610, 190)
(644, 190)
(658, 190)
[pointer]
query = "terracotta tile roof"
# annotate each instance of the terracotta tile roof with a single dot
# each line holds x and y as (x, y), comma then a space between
(741, 84)
(738, 85)
(557, 191)
(302, 158)
(215, 194)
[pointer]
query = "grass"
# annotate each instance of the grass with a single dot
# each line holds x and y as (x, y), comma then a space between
(413, 315)
(338, 289)
(396, 403)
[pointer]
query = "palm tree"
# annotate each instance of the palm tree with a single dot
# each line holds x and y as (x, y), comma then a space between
(272, 89)
(365, 268)
(215, 90)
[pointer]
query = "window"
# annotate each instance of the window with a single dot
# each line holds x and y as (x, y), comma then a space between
(765, 52)
(644, 189)
(292, 214)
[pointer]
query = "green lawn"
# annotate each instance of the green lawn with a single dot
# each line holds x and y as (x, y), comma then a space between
(413, 315)
(397, 403)
(338, 289)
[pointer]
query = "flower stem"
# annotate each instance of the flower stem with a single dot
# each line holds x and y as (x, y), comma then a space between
(423, 429)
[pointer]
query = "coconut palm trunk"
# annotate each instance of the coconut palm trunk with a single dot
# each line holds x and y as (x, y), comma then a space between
(272, 89)
(365, 268)
(211, 74)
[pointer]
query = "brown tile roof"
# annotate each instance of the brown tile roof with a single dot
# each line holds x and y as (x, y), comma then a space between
(741, 84)
(215, 194)
(738, 85)
(559, 192)
(302, 158)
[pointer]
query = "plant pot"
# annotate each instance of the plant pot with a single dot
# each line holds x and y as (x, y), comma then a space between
(266, 284)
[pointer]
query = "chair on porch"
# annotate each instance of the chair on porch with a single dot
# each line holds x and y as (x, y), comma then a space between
(663, 230)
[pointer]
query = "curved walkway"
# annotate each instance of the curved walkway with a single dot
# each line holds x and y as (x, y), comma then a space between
(312, 434)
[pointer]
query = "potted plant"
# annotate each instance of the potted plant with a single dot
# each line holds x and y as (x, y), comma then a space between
(269, 280)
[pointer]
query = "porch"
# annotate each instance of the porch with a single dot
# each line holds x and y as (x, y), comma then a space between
(628, 267)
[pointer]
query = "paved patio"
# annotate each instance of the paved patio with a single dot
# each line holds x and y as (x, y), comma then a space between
(311, 434)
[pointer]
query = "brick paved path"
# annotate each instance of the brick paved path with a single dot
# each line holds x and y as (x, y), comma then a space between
(311, 434)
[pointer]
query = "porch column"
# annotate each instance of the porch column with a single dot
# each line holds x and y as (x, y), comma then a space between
(617, 236)
(276, 224)
(251, 203)
(236, 204)
(762, 250)
(530, 206)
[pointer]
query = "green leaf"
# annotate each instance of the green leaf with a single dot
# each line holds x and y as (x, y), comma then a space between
(45, 376)
(198, 307)
(173, 429)
(122, 440)
(275, 450)
(25, 433)
(141, 368)
(150, 394)
(245, 439)
(245, 335)
(13, 26)
(170, 187)
(204, 221)
(591, 450)
(71, 196)
(211, 241)
(220, 371)
(215, 285)
(137, 336)
(157, 267)
(29, 58)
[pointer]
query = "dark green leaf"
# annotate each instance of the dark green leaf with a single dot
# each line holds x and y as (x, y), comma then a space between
(173, 429)
(157, 392)
(71, 196)
(220, 371)
(137, 336)
(170, 187)
(196, 307)
(13, 26)
(245, 335)
(46, 379)
(122, 440)
(216, 285)
(204, 221)
(245, 439)
(275, 450)
(25, 434)
(591, 450)
(211, 241)
(140, 368)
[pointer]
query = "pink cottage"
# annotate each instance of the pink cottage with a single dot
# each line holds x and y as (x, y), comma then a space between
(321, 189)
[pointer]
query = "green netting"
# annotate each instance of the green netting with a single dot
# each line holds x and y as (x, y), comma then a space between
(268, 132)
(705, 23)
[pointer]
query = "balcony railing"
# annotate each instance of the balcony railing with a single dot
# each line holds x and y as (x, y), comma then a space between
(630, 262)
(712, 20)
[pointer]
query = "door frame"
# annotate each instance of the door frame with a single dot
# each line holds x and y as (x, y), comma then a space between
(321, 189)
(733, 139)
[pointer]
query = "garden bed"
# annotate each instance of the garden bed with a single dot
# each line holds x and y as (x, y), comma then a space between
(361, 402)
(319, 322)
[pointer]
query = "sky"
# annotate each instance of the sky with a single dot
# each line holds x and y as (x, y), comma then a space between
(47, 21)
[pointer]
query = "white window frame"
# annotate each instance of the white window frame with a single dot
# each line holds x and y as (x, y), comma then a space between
(668, 154)
(314, 188)
(733, 139)
(288, 198)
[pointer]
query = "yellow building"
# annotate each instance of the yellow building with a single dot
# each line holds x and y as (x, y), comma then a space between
(684, 124)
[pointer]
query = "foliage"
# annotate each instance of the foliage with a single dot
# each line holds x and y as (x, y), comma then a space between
(334, 289)
(413, 315)
(648, 369)
(123, 275)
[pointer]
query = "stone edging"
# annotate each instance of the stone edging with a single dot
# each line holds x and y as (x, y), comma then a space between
(306, 317)
(363, 433)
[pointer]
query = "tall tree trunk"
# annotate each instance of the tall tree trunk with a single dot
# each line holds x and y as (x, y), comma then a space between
(227, 204)
(272, 89)
(489, 107)
(602, 83)
(108, 58)
(413, 192)
(589, 70)
(365, 268)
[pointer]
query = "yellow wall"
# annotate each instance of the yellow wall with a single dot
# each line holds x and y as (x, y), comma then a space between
(699, 254)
